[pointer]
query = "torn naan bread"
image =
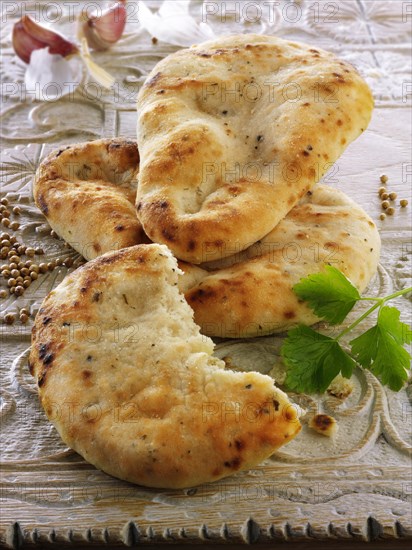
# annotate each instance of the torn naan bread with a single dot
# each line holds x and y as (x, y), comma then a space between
(250, 293)
(130, 383)
(87, 191)
(233, 132)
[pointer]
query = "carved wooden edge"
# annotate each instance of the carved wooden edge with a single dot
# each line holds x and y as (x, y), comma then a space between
(16, 535)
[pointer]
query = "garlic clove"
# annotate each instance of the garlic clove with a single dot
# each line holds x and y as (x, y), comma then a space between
(23, 43)
(29, 36)
(103, 31)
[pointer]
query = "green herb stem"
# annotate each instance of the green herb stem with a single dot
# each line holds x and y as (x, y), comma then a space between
(379, 303)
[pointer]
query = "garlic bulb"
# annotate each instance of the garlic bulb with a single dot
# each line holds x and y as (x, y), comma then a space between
(104, 30)
(28, 36)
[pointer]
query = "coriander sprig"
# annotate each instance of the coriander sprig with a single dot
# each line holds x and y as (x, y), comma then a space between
(314, 360)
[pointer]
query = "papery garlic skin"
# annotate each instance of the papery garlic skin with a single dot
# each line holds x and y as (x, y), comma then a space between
(28, 36)
(101, 32)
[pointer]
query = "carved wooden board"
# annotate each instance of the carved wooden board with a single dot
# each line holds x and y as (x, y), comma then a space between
(355, 487)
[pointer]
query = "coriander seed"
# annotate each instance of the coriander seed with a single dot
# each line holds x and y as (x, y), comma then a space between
(5, 222)
(18, 291)
(385, 196)
(30, 251)
(4, 201)
(382, 216)
(9, 318)
(6, 214)
(15, 226)
(403, 203)
(3, 294)
(393, 196)
(6, 273)
(11, 282)
(23, 318)
(385, 205)
(384, 178)
(390, 211)
(27, 282)
(43, 268)
(14, 259)
(33, 275)
(39, 251)
(16, 210)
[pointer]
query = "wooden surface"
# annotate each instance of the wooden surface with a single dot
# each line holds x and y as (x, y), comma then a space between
(315, 491)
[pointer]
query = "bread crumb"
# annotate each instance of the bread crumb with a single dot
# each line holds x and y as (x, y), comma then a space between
(340, 387)
(323, 424)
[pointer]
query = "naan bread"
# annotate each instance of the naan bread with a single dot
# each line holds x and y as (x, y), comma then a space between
(131, 384)
(233, 132)
(91, 185)
(251, 294)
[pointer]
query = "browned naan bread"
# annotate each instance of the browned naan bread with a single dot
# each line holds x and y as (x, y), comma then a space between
(131, 384)
(250, 294)
(233, 132)
(87, 191)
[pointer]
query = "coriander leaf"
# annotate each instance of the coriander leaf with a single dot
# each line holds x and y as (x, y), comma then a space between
(380, 349)
(329, 293)
(313, 360)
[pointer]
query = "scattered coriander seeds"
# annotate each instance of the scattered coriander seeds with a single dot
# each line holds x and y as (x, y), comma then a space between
(11, 282)
(12, 266)
(68, 262)
(14, 259)
(30, 251)
(6, 214)
(2, 208)
(385, 204)
(24, 318)
(15, 273)
(59, 262)
(5, 222)
(24, 271)
(39, 251)
(9, 318)
(15, 226)
(4, 236)
(24, 311)
(385, 196)
(382, 216)
(12, 289)
(33, 275)
(16, 210)
(13, 239)
(384, 178)
(5, 242)
(390, 211)
(19, 280)
(6, 273)
(20, 265)
(393, 196)
(4, 251)
(28, 263)
(403, 203)
(21, 249)
(18, 291)
(34, 267)
(27, 282)
(43, 268)
(4, 201)
(3, 294)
